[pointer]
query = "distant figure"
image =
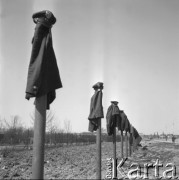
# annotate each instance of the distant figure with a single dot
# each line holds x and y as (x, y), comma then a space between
(173, 138)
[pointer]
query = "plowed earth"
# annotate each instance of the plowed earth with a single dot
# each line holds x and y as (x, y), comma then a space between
(79, 162)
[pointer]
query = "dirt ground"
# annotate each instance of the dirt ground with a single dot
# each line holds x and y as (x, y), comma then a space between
(78, 162)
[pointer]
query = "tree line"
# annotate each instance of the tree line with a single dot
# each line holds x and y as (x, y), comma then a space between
(12, 132)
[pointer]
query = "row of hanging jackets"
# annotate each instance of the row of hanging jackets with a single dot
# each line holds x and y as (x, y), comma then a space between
(114, 117)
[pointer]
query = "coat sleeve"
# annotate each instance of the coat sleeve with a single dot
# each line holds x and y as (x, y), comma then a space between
(127, 124)
(122, 125)
(109, 120)
(36, 62)
(136, 134)
(99, 106)
(92, 107)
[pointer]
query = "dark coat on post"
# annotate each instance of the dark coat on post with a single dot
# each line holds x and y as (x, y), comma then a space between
(131, 135)
(96, 111)
(113, 118)
(43, 74)
(125, 125)
(136, 138)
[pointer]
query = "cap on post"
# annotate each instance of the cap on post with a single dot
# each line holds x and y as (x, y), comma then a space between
(98, 85)
(114, 102)
(45, 17)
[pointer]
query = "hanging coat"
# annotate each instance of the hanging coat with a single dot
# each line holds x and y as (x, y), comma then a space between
(125, 125)
(131, 135)
(96, 111)
(136, 138)
(113, 118)
(135, 133)
(43, 74)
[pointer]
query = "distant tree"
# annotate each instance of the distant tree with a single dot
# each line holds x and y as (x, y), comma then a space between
(51, 127)
(1, 130)
(67, 129)
(67, 126)
(103, 130)
(13, 123)
(1, 124)
(50, 116)
(14, 129)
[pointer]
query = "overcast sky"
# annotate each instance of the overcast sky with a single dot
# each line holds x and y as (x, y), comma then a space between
(130, 45)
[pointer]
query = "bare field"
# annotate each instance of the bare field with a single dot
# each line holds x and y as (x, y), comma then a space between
(78, 162)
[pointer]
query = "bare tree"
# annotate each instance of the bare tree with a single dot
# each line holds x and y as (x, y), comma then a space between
(13, 128)
(2, 129)
(1, 124)
(67, 126)
(50, 116)
(53, 130)
(67, 129)
(51, 126)
(103, 130)
(13, 123)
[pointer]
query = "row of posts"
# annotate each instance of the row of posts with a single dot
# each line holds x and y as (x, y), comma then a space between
(128, 147)
(35, 88)
(39, 141)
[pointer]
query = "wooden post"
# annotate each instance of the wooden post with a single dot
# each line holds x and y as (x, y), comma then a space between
(130, 150)
(114, 154)
(98, 145)
(121, 144)
(39, 138)
(97, 113)
(126, 138)
(28, 139)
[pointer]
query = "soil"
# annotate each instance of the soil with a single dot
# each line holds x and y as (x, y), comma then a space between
(79, 162)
